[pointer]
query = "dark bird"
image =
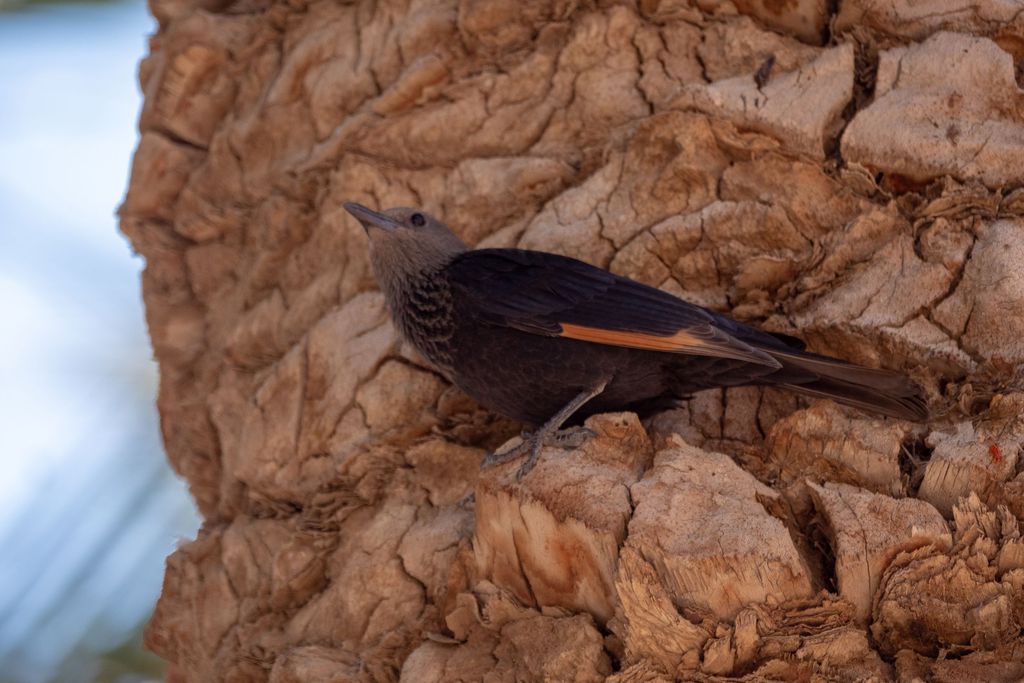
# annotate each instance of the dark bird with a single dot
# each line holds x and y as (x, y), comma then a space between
(543, 338)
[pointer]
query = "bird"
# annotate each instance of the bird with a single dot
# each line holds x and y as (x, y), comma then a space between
(547, 339)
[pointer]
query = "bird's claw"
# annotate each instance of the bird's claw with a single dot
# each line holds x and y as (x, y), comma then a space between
(532, 444)
(570, 438)
(502, 457)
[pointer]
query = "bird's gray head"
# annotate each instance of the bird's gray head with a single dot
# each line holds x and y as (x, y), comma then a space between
(405, 243)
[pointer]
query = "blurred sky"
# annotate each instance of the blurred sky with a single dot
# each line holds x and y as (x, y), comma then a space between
(88, 506)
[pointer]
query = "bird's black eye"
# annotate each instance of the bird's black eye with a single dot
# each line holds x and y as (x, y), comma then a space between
(417, 219)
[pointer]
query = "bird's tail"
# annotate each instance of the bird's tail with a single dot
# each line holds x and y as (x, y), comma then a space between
(876, 391)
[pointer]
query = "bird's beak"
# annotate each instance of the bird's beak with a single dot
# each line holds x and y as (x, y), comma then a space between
(370, 218)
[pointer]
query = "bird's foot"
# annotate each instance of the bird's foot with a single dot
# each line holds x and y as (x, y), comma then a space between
(570, 437)
(502, 457)
(531, 445)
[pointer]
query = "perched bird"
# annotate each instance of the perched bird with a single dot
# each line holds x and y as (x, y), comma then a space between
(543, 338)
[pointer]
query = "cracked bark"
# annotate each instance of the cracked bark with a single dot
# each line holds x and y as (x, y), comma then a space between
(335, 470)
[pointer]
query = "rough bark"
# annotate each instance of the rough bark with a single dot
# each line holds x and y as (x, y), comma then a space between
(852, 175)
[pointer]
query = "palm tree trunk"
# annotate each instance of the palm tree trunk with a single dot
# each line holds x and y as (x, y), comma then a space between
(852, 176)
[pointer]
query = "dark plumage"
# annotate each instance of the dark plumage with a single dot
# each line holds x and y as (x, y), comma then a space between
(543, 338)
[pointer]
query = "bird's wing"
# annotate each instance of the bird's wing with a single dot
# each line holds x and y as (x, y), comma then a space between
(555, 295)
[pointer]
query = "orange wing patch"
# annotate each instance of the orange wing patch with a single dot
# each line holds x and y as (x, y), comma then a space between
(679, 342)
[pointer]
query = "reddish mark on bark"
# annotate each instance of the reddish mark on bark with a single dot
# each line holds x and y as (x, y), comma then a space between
(996, 453)
(901, 184)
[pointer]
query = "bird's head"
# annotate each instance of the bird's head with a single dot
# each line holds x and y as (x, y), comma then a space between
(405, 242)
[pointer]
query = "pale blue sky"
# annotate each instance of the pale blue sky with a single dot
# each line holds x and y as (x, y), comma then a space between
(88, 507)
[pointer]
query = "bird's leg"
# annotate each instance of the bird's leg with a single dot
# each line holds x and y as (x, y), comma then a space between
(549, 434)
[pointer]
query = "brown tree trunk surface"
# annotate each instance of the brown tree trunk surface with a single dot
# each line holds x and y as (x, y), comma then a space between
(850, 172)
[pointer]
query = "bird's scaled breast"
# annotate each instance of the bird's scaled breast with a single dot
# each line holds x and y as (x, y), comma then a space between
(424, 316)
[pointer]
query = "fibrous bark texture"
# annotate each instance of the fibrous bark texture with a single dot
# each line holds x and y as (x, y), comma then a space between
(847, 172)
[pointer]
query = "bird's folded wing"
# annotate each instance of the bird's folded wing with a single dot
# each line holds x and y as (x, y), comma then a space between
(555, 295)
